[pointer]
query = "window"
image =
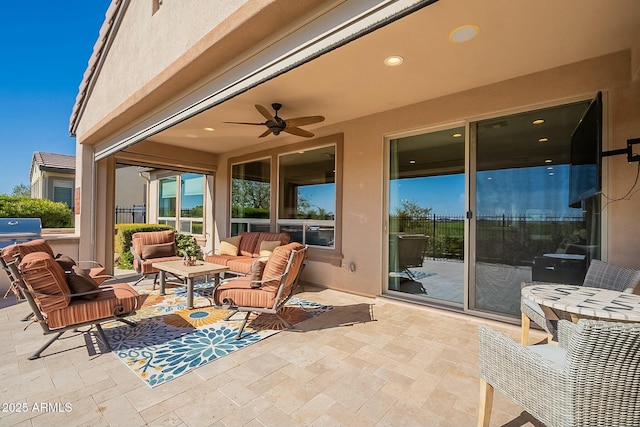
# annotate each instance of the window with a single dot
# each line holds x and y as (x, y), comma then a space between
(307, 196)
(191, 203)
(185, 213)
(251, 196)
(63, 192)
(296, 192)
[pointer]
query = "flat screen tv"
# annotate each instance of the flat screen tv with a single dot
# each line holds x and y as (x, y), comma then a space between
(585, 176)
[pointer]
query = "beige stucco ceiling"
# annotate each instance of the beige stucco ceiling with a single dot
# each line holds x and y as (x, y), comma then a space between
(516, 38)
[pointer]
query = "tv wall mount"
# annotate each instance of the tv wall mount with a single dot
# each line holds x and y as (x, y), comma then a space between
(628, 151)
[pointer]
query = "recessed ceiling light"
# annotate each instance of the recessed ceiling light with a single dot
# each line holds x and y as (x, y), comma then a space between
(464, 33)
(209, 129)
(548, 161)
(543, 140)
(394, 60)
(538, 121)
(412, 161)
(457, 135)
(192, 135)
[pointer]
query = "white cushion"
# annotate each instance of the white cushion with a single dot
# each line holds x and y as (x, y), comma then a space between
(550, 352)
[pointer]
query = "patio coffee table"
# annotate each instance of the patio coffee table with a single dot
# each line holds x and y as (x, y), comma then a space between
(188, 272)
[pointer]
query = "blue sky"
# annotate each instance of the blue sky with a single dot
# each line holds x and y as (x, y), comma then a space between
(45, 49)
(534, 192)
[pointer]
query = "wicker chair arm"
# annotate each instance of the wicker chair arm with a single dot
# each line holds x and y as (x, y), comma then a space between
(511, 367)
(565, 330)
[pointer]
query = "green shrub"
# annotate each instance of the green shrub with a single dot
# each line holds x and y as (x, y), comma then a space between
(248, 212)
(51, 214)
(122, 242)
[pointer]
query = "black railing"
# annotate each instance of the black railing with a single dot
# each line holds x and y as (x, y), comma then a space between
(508, 239)
(136, 214)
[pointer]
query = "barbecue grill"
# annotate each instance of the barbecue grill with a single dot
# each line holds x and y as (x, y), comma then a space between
(16, 230)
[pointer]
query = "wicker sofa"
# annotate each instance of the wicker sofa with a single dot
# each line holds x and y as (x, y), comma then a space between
(239, 252)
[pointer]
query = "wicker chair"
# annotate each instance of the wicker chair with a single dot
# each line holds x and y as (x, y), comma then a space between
(600, 275)
(592, 378)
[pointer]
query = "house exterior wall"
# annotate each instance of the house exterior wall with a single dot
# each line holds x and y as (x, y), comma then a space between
(131, 188)
(42, 182)
(363, 212)
(145, 47)
(364, 153)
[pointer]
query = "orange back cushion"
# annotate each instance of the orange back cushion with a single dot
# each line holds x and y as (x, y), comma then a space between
(248, 243)
(38, 245)
(277, 265)
(43, 275)
(144, 238)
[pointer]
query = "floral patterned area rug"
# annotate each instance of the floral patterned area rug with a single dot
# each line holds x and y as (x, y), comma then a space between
(170, 340)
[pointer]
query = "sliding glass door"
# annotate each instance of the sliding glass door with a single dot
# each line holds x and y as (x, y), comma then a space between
(471, 217)
(524, 227)
(426, 216)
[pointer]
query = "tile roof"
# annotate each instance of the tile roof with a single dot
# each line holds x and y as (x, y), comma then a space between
(53, 160)
(95, 61)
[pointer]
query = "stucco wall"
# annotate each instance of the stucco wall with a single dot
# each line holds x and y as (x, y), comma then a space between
(364, 150)
(146, 45)
(131, 188)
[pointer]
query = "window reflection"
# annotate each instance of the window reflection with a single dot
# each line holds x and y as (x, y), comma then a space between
(189, 204)
(307, 195)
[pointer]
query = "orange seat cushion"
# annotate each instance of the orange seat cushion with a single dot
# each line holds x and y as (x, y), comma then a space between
(121, 299)
(147, 265)
(238, 292)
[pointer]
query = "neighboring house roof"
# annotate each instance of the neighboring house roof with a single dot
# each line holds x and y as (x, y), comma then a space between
(53, 162)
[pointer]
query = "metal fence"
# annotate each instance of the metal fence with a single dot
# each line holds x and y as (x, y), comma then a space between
(136, 214)
(510, 239)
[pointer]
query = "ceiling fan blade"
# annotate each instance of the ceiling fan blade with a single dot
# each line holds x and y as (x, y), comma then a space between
(298, 131)
(245, 123)
(265, 133)
(301, 121)
(265, 113)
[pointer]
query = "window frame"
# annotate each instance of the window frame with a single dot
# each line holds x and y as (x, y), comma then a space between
(332, 255)
(176, 220)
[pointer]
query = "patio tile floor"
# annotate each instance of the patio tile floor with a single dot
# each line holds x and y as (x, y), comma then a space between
(368, 362)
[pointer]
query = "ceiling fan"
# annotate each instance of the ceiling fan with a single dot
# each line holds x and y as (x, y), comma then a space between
(276, 124)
